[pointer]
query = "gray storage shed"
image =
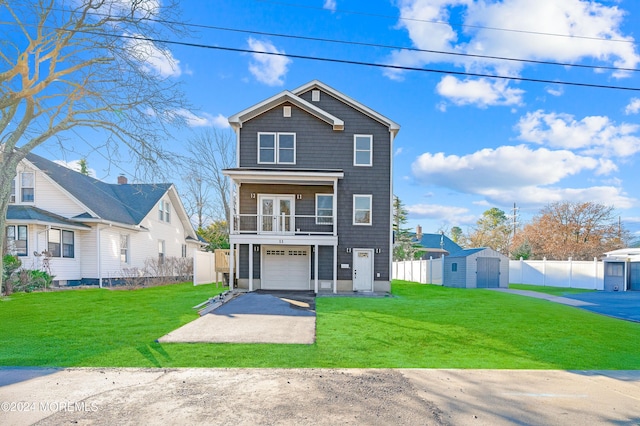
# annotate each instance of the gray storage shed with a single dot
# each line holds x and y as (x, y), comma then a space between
(476, 268)
(622, 270)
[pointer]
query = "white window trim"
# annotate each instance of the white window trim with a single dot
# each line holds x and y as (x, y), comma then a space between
(20, 187)
(333, 213)
(13, 197)
(276, 147)
(127, 249)
(355, 137)
(167, 212)
(370, 197)
(16, 237)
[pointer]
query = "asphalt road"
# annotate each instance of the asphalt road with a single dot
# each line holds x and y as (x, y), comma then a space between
(97, 396)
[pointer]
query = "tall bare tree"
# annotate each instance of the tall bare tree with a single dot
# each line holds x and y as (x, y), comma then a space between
(211, 151)
(67, 64)
(581, 231)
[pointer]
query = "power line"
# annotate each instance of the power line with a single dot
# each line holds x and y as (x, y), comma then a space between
(383, 46)
(362, 63)
(434, 21)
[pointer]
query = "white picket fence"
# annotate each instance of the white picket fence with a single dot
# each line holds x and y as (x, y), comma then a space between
(551, 273)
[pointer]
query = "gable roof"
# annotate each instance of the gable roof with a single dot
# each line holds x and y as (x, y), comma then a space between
(236, 120)
(317, 84)
(467, 252)
(127, 204)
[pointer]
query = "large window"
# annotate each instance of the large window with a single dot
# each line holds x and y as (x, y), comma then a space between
(277, 148)
(17, 239)
(27, 187)
(60, 243)
(361, 209)
(614, 269)
(124, 248)
(324, 209)
(362, 150)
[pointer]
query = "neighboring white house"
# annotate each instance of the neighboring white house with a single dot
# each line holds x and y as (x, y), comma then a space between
(92, 230)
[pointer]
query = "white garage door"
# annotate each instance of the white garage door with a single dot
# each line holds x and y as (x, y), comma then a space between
(286, 268)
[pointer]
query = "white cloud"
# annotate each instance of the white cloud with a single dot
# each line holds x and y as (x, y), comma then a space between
(398, 151)
(75, 165)
(152, 58)
(587, 24)
(481, 92)
(633, 107)
(330, 5)
(555, 91)
(518, 173)
(448, 214)
(267, 69)
(593, 135)
(202, 120)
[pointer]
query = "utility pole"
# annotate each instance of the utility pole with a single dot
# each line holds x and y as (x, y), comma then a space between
(515, 218)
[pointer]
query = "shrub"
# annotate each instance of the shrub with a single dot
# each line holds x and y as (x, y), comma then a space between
(10, 264)
(29, 280)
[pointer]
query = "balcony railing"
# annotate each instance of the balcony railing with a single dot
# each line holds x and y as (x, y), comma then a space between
(282, 224)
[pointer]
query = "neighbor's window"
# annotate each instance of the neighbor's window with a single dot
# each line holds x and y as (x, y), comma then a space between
(614, 269)
(362, 150)
(362, 209)
(454, 267)
(124, 248)
(12, 196)
(27, 187)
(164, 211)
(277, 148)
(53, 246)
(161, 251)
(324, 209)
(17, 239)
(184, 250)
(68, 244)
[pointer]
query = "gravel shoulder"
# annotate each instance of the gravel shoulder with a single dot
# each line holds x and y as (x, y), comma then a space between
(94, 396)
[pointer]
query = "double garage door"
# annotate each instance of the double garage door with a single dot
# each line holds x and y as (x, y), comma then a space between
(286, 268)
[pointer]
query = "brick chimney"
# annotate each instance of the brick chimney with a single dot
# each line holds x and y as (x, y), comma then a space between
(418, 232)
(122, 180)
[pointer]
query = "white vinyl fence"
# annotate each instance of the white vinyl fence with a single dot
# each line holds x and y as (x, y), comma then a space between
(419, 271)
(204, 268)
(550, 273)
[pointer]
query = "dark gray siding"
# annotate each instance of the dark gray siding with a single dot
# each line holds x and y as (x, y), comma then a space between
(244, 262)
(319, 146)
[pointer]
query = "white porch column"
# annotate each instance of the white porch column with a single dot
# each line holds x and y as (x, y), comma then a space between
(335, 208)
(231, 265)
(335, 268)
(250, 266)
(315, 267)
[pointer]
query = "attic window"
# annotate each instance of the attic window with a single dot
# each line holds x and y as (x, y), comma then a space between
(315, 95)
(286, 111)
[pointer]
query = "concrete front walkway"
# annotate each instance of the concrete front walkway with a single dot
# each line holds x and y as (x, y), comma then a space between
(538, 295)
(253, 318)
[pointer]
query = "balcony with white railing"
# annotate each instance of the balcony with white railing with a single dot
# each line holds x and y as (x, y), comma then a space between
(286, 225)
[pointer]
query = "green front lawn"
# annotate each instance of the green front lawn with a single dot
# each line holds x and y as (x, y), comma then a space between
(423, 326)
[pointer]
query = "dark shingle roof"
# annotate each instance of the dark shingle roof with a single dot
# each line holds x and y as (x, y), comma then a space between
(31, 213)
(127, 204)
(432, 241)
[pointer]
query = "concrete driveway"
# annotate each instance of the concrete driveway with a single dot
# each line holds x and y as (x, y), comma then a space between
(257, 317)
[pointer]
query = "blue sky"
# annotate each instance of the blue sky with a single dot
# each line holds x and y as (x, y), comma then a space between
(466, 143)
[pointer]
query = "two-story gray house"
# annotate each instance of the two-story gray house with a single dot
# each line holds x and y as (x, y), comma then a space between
(313, 193)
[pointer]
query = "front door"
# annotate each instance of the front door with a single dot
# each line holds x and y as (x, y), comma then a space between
(362, 270)
(276, 214)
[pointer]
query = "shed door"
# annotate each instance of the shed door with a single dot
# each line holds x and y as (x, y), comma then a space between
(286, 268)
(634, 276)
(488, 273)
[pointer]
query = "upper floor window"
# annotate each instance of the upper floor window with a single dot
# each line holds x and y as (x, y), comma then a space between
(324, 209)
(12, 195)
(362, 150)
(164, 211)
(361, 209)
(26, 187)
(17, 239)
(276, 148)
(60, 243)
